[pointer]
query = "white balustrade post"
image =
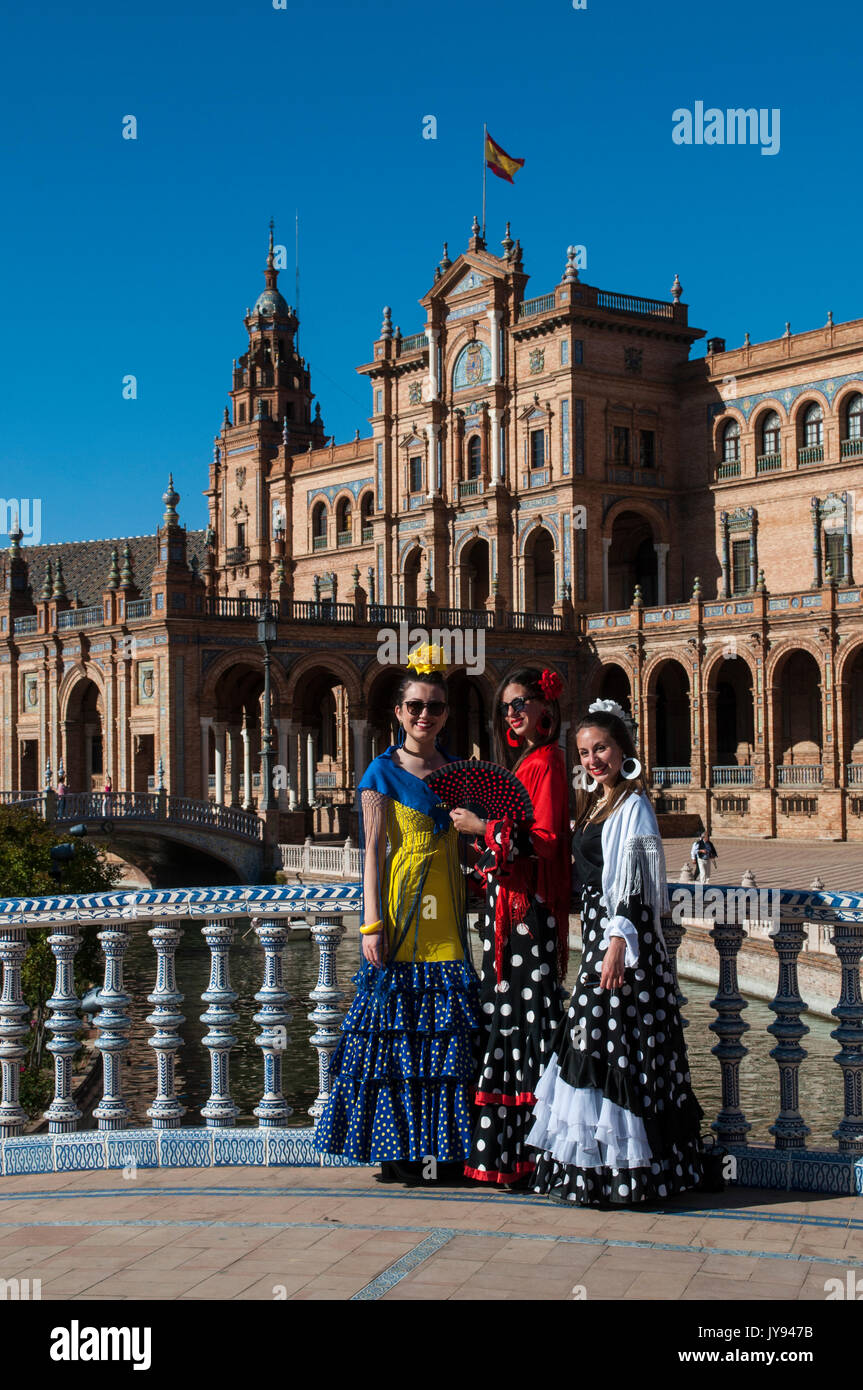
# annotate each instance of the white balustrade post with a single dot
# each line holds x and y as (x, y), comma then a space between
(273, 1018)
(327, 933)
(63, 1114)
(113, 1023)
(14, 1028)
(166, 1111)
(220, 1018)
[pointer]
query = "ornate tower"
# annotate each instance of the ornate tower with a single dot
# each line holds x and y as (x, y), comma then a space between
(271, 415)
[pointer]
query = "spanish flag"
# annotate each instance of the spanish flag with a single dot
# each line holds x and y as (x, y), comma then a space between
(500, 163)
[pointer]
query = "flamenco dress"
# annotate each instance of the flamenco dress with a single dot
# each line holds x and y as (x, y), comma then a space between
(525, 935)
(400, 1077)
(616, 1121)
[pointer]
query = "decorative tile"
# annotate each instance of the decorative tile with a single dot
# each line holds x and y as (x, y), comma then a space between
(190, 1148)
(32, 1153)
(140, 1145)
(238, 1147)
(74, 1153)
(295, 1147)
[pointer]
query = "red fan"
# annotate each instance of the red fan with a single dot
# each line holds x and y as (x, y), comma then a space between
(486, 789)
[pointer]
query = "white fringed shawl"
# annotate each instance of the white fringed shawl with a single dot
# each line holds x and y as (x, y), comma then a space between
(633, 861)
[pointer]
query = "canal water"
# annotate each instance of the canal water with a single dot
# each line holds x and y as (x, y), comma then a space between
(821, 1095)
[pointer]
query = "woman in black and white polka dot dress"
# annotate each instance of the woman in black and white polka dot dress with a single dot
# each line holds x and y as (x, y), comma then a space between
(616, 1121)
(525, 932)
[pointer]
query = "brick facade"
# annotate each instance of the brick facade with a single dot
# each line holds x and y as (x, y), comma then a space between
(553, 473)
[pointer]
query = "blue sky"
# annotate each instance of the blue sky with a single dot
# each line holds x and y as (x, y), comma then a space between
(140, 257)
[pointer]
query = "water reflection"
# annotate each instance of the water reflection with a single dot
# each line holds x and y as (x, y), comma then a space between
(821, 1095)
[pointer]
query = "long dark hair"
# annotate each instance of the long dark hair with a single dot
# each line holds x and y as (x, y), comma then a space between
(529, 677)
(617, 730)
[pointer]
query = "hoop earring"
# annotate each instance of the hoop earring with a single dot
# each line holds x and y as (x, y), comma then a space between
(635, 769)
(512, 739)
(544, 723)
(400, 737)
(582, 783)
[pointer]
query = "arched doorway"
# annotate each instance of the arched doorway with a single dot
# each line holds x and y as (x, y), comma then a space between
(631, 560)
(468, 727)
(732, 715)
(672, 744)
(853, 706)
(322, 755)
(539, 572)
(797, 720)
(85, 754)
(410, 578)
(474, 575)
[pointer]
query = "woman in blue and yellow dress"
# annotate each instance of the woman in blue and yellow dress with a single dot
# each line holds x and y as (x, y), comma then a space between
(402, 1072)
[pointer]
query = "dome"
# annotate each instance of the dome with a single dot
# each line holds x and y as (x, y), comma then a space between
(270, 304)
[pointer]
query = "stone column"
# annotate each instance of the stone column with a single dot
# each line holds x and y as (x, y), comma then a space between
(293, 785)
(494, 419)
(310, 766)
(298, 754)
(434, 386)
(606, 546)
(234, 733)
(359, 731)
(247, 767)
(661, 548)
(282, 727)
(219, 731)
(205, 758)
(433, 481)
(494, 316)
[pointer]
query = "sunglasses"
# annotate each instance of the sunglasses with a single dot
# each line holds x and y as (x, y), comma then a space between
(416, 707)
(516, 705)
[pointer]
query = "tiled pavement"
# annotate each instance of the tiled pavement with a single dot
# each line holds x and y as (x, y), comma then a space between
(778, 863)
(310, 1233)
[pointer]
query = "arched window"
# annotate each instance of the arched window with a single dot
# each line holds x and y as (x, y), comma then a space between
(367, 506)
(344, 522)
(770, 433)
(474, 456)
(854, 417)
(813, 426)
(731, 442)
(319, 526)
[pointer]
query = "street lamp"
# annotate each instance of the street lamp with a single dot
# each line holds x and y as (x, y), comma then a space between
(267, 633)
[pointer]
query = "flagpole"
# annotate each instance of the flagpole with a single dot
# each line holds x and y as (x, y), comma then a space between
(484, 167)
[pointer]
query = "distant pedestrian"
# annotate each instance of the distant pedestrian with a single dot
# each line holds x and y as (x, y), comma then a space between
(703, 853)
(106, 795)
(61, 790)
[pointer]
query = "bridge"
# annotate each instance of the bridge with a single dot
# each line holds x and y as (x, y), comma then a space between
(139, 821)
(788, 1164)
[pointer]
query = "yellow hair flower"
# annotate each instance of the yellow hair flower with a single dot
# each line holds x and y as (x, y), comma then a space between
(426, 659)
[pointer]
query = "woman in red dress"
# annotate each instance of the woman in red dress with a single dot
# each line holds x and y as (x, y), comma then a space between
(526, 869)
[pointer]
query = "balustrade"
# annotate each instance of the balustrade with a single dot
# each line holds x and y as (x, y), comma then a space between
(270, 910)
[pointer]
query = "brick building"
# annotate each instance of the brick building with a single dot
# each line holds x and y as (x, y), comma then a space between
(553, 473)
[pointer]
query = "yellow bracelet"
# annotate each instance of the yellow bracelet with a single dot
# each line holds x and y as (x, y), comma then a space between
(371, 928)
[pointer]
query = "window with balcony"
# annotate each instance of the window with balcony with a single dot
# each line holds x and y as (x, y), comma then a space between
(415, 473)
(344, 523)
(731, 442)
(537, 448)
(852, 444)
(620, 445)
(647, 449)
(739, 567)
(771, 427)
(813, 426)
(474, 456)
(833, 554)
(241, 413)
(241, 534)
(367, 506)
(319, 526)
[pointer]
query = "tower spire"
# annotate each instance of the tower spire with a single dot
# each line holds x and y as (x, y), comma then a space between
(271, 275)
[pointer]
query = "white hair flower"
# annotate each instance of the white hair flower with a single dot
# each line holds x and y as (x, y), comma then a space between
(608, 707)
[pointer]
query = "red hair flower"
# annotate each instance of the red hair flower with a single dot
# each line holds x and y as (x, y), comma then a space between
(551, 685)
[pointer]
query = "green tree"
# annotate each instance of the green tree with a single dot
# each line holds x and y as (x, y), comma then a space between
(25, 872)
